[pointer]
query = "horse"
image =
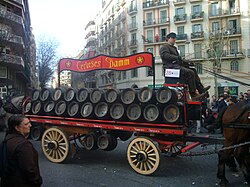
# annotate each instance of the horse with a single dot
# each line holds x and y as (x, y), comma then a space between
(235, 114)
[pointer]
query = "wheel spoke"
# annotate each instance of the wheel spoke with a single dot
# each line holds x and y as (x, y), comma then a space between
(131, 151)
(137, 146)
(153, 159)
(133, 147)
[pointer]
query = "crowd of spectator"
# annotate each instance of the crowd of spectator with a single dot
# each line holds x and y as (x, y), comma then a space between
(213, 110)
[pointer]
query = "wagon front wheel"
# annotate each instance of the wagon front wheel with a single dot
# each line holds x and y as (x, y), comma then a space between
(55, 145)
(143, 155)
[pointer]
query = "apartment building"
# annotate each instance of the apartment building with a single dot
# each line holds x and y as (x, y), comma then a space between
(213, 34)
(17, 48)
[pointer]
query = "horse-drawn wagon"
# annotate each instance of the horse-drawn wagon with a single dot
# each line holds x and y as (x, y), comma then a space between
(155, 120)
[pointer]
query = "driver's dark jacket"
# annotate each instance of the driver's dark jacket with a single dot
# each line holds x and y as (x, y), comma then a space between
(23, 163)
(170, 57)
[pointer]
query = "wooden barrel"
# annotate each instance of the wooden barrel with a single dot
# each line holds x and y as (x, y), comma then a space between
(171, 113)
(27, 107)
(36, 107)
(70, 94)
(58, 93)
(117, 111)
(101, 110)
(35, 94)
(128, 96)
(145, 94)
(46, 94)
(133, 112)
(166, 95)
(96, 95)
(82, 95)
(87, 110)
(73, 109)
(61, 108)
(151, 113)
(49, 107)
(111, 95)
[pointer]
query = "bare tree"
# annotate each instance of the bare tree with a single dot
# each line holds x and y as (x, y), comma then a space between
(46, 59)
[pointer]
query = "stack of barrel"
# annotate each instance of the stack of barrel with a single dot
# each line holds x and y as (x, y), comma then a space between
(140, 104)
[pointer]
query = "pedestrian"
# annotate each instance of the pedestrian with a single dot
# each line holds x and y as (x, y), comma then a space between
(172, 60)
(23, 167)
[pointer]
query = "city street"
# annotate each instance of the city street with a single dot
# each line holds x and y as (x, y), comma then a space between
(100, 168)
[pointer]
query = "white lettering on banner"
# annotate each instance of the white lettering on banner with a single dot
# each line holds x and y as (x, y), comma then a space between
(172, 73)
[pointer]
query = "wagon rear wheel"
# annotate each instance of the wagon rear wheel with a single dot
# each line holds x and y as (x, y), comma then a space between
(143, 155)
(55, 145)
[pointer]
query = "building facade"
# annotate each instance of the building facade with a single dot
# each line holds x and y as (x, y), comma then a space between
(17, 48)
(210, 33)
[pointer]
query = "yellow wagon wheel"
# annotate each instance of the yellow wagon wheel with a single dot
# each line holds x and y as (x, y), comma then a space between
(55, 145)
(143, 156)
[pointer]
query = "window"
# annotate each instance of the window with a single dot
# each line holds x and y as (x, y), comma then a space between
(150, 36)
(3, 72)
(134, 73)
(180, 11)
(234, 65)
(197, 51)
(163, 35)
(119, 75)
(149, 71)
(233, 46)
(197, 28)
(133, 22)
(180, 30)
(215, 9)
(196, 9)
(133, 39)
(233, 26)
(149, 18)
(163, 16)
(215, 27)
(181, 49)
(198, 67)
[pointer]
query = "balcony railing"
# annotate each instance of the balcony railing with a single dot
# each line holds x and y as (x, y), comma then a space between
(179, 2)
(232, 53)
(10, 16)
(181, 37)
(132, 26)
(196, 35)
(150, 4)
(155, 21)
(7, 36)
(132, 9)
(133, 43)
(181, 17)
(224, 12)
(199, 15)
(233, 31)
(13, 59)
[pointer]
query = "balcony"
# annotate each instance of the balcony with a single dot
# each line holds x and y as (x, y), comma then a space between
(133, 43)
(155, 22)
(195, 1)
(228, 54)
(179, 2)
(11, 60)
(197, 16)
(11, 38)
(182, 18)
(197, 36)
(233, 31)
(4, 14)
(132, 10)
(181, 37)
(133, 27)
(153, 5)
(219, 13)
